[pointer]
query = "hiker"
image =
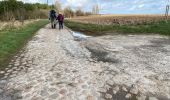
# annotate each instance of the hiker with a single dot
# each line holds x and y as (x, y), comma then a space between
(60, 19)
(52, 18)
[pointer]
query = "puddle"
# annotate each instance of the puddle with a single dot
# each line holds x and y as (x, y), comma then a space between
(79, 35)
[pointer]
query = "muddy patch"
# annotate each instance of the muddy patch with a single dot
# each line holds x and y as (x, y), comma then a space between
(103, 56)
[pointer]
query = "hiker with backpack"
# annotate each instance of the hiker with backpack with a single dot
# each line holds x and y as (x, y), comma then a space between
(60, 19)
(52, 18)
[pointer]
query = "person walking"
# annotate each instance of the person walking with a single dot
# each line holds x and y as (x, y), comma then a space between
(52, 18)
(60, 19)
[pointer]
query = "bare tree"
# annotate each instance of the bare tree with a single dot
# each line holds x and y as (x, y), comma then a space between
(95, 9)
(68, 12)
(58, 6)
(167, 10)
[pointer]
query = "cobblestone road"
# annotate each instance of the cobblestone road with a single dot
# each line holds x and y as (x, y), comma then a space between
(53, 66)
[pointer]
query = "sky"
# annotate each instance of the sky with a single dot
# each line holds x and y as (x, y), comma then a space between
(114, 6)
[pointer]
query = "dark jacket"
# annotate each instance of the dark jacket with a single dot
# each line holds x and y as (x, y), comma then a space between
(60, 18)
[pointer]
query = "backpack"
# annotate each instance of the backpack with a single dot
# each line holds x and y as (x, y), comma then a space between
(52, 14)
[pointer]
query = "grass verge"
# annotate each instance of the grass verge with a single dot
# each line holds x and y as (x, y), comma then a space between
(11, 41)
(161, 27)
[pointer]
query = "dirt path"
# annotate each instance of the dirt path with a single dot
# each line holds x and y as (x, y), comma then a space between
(53, 66)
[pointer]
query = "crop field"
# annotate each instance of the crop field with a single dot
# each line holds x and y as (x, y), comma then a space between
(119, 19)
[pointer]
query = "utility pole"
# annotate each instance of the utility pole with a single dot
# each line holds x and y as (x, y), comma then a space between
(167, 10)
(4, 10)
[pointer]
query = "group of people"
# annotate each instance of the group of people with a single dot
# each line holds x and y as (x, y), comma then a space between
(54, 18)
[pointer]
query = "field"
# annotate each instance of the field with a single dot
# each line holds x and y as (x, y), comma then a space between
(119, 19)
(120, 24)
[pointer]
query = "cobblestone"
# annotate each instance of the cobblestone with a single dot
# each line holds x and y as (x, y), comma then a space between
(55, 66)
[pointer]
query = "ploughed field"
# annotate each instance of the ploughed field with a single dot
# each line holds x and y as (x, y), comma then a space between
(119, 19)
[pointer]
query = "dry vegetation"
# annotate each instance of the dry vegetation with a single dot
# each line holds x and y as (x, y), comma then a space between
(15, 24)
(119, 19)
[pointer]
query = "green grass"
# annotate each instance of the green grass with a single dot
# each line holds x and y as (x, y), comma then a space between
(11, 41)
(161, 27)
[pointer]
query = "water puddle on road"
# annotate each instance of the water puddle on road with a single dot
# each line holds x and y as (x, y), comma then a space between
(80, 35)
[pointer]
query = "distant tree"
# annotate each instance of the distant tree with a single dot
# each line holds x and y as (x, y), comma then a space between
(87, 13)
(95, 9)
(58, 6)
(29, 7)
(13, 9)
(79, 12)
(68, 12)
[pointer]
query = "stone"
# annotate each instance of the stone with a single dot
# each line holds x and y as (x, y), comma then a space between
(153, 98)
(14, 72)
(6, 74)
(2, 85)
(114, 92)
(17, 64)
(90, 97)
(6, 68)
(9, 71)
(17, 96)
(52, 90)
(110, 82)
(134, 90)
(124, 89)
(84, 86)
(5, 77)
(37, 98)
(44, 93)
(63, 91)
(108, 96)
(128, 96)
(54, 96)
(102, 90)
(141, 97)
(14, 68)
(115, 89)
(107, 87)
(3, 82)
(1, 91)
(2, 72)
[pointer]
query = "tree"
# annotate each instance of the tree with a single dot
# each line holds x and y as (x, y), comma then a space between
(58, 6)
(68, 12)
(29, 7)
(87, 13)
(95, 9)
(13, 9)
(79, 12)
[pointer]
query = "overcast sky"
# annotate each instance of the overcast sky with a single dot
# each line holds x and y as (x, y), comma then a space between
(115, 6)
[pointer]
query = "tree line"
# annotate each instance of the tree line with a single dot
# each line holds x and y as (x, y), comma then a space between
(17, 10)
